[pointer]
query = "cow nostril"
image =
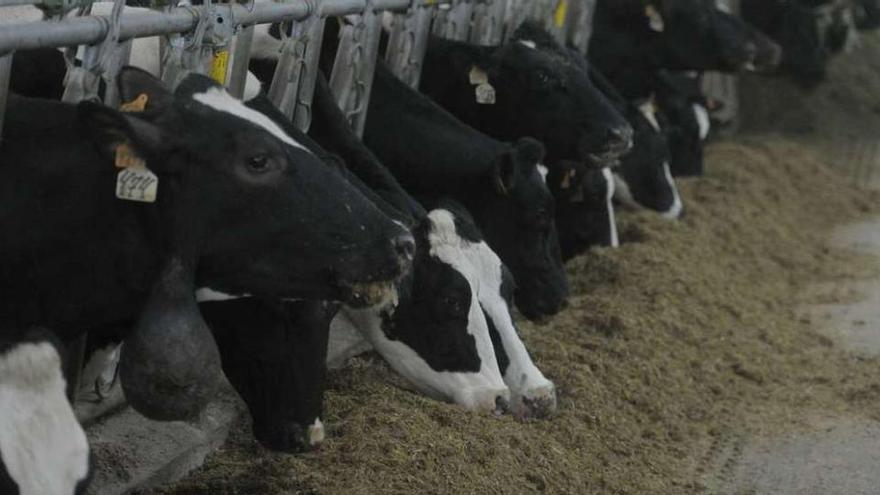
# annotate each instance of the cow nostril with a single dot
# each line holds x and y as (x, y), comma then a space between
(404, 246)
(620, 137)
(502, 405)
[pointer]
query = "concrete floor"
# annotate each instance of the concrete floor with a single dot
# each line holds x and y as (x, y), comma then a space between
(837, 456)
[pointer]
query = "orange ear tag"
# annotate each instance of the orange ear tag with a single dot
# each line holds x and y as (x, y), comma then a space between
(136, 105)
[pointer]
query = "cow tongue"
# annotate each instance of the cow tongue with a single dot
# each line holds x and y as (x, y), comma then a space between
(170, 365)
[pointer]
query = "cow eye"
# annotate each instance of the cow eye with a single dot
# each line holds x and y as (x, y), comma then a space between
(258, 163)
(452, 305)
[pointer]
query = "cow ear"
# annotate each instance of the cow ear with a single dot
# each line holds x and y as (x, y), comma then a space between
(111, 130)
(504, 174)
(140, 91)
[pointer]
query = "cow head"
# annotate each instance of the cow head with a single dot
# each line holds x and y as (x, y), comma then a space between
(687, 116)
(252, 211)
(43, 448)
(673, 34)
(536, 91)
(273, 354)
(644, 177)
(808, 31)
(435, 335)
(518, 220)
(584, 209)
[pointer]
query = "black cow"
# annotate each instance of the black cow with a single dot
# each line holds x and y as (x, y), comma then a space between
(809, 31)
(671, 34)
(867, 14)
(538, 91)
(301, 235)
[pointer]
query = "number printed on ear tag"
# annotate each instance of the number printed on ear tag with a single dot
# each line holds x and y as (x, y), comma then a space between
(137, 183)
(485, 94)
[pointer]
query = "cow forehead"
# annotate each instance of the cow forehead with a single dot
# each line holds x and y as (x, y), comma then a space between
(221, 101)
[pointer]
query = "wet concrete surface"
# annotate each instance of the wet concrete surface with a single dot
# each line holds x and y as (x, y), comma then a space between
(835, 455)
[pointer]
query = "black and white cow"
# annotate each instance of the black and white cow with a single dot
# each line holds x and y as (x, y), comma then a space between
(211, 156)
(43, 448)
(413, 336)
(686, 112)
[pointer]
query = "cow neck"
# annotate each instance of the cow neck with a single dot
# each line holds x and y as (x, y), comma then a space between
(170, 365)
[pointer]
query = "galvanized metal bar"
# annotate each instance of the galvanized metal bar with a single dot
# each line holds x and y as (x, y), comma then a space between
(89, 30)
(14, 3)
(488, 23)
(352, 78)
(455, 23)
(240, 59)
(580, 24)
(5, 71)
(293, 83)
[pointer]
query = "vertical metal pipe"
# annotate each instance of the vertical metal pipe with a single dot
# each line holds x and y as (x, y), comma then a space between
(5, 72)
(240, 59)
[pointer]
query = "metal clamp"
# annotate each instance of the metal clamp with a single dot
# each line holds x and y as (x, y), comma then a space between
(293, 84)
(408, 43)
(352, 78)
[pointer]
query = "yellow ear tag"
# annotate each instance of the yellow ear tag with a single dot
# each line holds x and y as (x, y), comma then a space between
(478, 76)
(561, 13)
(219, 65)
(136, 105)
(655, 20)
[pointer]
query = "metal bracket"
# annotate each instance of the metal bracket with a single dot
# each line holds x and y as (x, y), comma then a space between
(97, 62)
(408, 43)
(352, 78)
(205, 49)
(293, 84)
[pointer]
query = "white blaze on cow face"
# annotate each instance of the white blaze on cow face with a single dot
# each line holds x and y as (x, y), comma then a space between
(675, 210)
(542, 169)
(316, 433)
(220, 100)
(207, 294)
(42, 445)
(611, 187)
(649, 111)
(528, 44)
(702, 116)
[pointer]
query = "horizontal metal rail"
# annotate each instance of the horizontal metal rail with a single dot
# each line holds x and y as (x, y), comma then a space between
(88, 30)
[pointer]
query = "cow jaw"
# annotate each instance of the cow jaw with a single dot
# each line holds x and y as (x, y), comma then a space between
(42, 445)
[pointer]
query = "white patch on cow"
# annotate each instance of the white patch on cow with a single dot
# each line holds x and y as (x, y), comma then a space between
(650, 113)
(42, 445)
(316, 433)
(264, 46)
(623, 194)
(702, 116)
(611, 187)
(528, 44)
(473, 391)
(542, 169)
(344, 342)
(207, 294)
(220, 100)
(675, 210)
